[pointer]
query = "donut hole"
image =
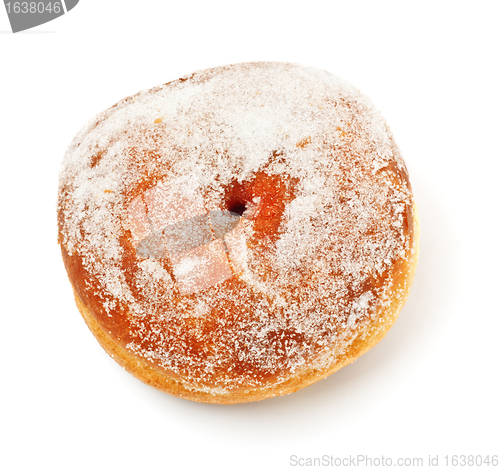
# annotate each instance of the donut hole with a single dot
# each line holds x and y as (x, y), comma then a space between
(237, 207)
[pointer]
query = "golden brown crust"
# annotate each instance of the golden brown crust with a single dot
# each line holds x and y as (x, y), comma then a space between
(155, 378)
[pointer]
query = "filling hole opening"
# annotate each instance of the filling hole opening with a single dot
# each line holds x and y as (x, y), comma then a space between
(237, 207)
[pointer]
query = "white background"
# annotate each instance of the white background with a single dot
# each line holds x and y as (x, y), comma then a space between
(430, 388)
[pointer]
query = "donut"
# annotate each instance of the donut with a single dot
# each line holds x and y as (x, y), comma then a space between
(239, 233)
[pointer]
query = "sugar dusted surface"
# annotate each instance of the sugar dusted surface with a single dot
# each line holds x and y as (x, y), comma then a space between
(313, 272)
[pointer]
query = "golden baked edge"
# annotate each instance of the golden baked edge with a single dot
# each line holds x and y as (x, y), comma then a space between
(153, 377)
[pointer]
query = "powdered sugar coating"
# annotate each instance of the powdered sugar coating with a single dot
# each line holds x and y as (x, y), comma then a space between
(327, 221)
